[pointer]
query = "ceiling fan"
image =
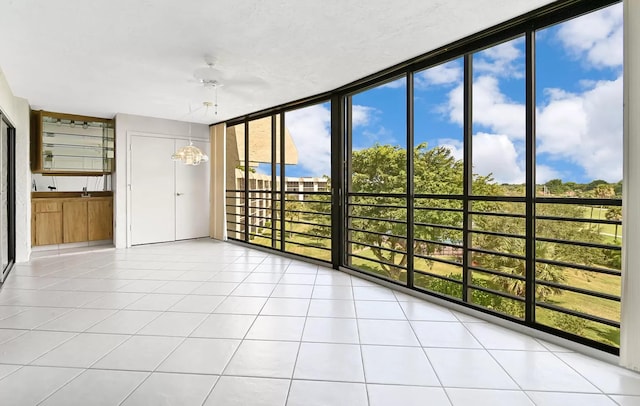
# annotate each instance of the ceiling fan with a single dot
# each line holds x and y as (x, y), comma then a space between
(212, 79)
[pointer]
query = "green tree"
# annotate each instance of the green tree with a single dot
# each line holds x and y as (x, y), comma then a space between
(614, 213)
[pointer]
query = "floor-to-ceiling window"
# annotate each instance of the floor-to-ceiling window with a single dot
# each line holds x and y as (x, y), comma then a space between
(7, 199)
(487, 172)
(286, 179)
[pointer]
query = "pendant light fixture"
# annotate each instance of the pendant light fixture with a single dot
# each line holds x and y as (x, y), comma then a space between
(190, 154)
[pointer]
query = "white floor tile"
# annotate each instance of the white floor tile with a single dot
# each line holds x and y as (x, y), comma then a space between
(226, 293)
(178, 287)
(444, 334)
(623, 400)
(500, 338)
(241, 305)
(197, 276)
(254, 289)
(94, 387)
(333, 278)
(269, 359)
(373, 293)
(332, 308)
(224, 326)
(397, 365)
(6, 334)
(31, 345)
(293, 291)
(112, 300)
(155, 302)
(6, 370)
(124, 322)
(277, 328)
(173, 324)
(77, 320)
(311, 393)
(229, 277)
(332, 292)
(298, 279)
(389, 395)
(564, 399)
(379, 310)
(81, 351)
(424, 311)
(330, 330)
(216, 288)
(20, 388)
(197, 304)
(488, 397)
(465, 368)
(139, 353)
(387, 332)
(285, 307)
(263, 277)
(317, 361)
(32, 317)
(172, 389)
(8, 311)
(609, 378)
(200, 356)
(551, 374)
(242, 391)
(142, 286)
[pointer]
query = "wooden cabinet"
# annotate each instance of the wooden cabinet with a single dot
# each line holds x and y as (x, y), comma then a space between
(71, 219)
(100, 220)
(65, 144)
(46, 223)
(74, 221)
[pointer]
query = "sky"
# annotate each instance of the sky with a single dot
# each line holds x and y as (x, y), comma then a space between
(578, 108)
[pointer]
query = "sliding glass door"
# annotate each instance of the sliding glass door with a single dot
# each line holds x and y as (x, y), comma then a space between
(7, 199)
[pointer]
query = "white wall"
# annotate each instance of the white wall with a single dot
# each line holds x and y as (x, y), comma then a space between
(630, 315)
(127, 124)
(17, 111)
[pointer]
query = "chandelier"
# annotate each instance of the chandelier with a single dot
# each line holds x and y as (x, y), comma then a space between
(190, 155)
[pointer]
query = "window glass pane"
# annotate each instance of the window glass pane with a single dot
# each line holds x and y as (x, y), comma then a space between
(498, 104)
(579, 156)
(260, 182)
(235, 193)
(376, 223)
(307, 215)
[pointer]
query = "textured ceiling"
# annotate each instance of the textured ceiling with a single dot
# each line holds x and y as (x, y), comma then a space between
(138, 56)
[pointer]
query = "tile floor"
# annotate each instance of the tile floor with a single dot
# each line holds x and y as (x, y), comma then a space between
(211, 323)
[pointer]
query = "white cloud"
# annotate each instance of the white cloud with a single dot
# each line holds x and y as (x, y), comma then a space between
(596, 36)
(505, 59)
(585, 128)
(361, 116)
(395, 84)
(492, 154)
(491, 108)
(310, 129)
(444, 74)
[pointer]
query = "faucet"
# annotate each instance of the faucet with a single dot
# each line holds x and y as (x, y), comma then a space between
(84, 192)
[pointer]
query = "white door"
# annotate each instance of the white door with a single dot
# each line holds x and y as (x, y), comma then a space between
(192, 196)
(152, 190)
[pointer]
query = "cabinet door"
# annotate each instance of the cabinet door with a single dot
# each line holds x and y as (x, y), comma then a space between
(74, 217)
(100, 214)
(48, 228)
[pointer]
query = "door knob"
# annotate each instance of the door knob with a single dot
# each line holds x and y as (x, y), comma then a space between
(179, 194)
